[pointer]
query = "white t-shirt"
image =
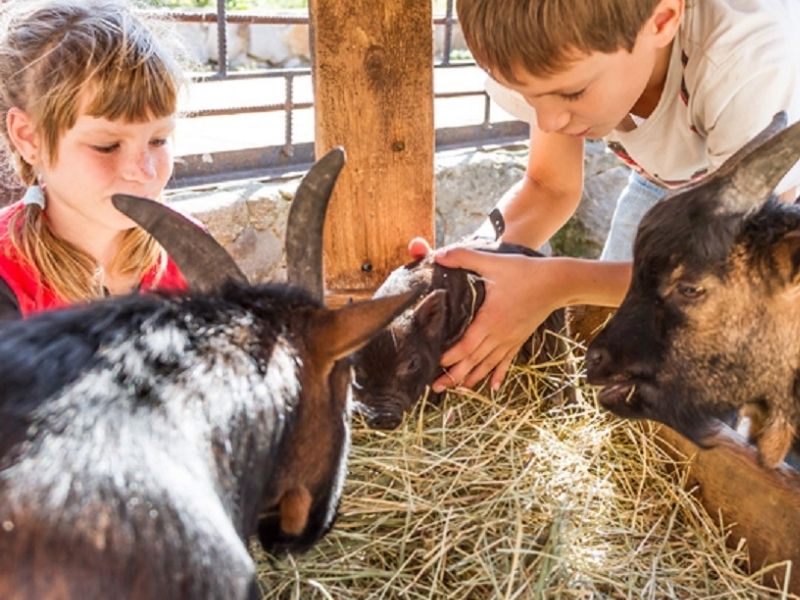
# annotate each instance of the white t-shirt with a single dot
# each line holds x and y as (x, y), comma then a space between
(734, 64)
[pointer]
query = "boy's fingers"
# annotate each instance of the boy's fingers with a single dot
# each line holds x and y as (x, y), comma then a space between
(466, 346)
(501, 365)
(463, 258)
(502, 369)
(477, 365)
(452, 378)
(455, 376)
(458, 370)
(441, 384)
(419, 248)
(485, 366)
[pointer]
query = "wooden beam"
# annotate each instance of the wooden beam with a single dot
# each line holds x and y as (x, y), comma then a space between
(373, 94)
(762, 505)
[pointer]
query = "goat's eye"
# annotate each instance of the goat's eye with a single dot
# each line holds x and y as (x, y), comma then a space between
(689, 291)
(408, 367)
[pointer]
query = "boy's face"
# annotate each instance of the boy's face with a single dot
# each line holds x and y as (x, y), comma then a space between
(97, 158)
(594, 93)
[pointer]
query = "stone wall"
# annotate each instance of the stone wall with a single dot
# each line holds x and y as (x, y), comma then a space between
(250, 219)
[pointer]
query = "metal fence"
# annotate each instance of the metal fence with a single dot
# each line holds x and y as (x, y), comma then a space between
(271, 161)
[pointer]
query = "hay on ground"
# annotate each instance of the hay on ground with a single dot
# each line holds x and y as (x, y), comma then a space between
(517, 494)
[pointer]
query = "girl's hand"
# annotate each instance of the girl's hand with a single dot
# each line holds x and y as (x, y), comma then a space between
(521, 292)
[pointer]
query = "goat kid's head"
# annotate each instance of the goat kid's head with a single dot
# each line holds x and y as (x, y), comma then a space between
(393, 369)
(301, 494)
(710, 320)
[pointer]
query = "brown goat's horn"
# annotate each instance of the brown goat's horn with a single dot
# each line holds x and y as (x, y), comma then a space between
(752, 174)
(306, 222)
(205, 264)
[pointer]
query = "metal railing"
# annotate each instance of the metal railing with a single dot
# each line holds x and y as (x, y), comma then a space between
(272, 161)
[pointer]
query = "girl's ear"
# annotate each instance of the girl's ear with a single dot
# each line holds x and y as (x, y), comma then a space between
(23, 135)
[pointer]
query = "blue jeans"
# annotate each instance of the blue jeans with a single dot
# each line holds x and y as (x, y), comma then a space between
(635, 200)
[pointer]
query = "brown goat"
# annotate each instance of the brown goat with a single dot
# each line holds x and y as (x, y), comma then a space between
(711, 323)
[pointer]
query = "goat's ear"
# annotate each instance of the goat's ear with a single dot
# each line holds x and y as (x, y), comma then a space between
(294, 507)
(336, 333)
(430, 314)
(465, 296)
(787, 257)
(752, 174)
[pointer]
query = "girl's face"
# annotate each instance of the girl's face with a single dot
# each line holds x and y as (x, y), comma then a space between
(98, 158)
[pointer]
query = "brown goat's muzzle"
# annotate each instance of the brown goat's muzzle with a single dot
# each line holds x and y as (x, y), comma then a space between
(381, 411)
(617, 394)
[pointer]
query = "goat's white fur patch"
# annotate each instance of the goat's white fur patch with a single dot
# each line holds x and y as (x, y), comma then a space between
(165, 440)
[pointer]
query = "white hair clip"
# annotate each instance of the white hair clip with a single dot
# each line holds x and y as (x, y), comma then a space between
(34, 195)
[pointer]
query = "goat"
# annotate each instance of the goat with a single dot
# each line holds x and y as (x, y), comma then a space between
(144, 439)
(710, 326)
(394, 368)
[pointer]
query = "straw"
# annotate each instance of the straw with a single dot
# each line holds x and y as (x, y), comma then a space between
(522, 493)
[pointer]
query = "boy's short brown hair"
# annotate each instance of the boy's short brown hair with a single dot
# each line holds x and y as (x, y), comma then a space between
(543, 36)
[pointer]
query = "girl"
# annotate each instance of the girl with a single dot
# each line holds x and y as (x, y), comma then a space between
(88, 96)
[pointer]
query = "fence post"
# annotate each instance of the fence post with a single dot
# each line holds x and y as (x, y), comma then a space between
(372, 68)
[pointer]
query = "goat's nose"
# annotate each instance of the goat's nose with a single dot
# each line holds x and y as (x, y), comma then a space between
(385, 420)
(598, 362)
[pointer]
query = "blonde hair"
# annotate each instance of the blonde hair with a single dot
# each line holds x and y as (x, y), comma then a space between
(544, 36)
(52, 53)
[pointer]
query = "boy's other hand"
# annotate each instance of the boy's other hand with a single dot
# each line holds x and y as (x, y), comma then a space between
(507, 317)
(419, 248)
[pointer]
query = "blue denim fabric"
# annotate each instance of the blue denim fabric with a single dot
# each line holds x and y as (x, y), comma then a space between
(635, 200)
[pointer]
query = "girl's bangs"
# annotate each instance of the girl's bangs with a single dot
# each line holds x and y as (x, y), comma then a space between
(135, 93)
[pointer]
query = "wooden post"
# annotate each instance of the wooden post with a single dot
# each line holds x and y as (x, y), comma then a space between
(373, 94)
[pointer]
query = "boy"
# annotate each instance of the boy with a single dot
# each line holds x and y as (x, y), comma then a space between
(674, 88)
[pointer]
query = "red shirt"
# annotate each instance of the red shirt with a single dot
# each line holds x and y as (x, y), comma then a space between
(34, 295)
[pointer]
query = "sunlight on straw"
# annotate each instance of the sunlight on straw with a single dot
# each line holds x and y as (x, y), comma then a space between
(528, 492)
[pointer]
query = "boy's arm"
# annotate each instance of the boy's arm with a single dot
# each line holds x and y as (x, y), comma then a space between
(520, 291)
(789, 196)
(537, 206)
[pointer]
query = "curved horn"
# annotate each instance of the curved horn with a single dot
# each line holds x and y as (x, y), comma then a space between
(751, 175)
(306, 222)
(202, 260)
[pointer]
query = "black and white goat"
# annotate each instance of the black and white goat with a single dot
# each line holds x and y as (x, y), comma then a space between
(144, 439)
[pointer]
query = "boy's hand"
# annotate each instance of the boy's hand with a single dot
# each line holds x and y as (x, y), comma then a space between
(419, 248)
(521, 292)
